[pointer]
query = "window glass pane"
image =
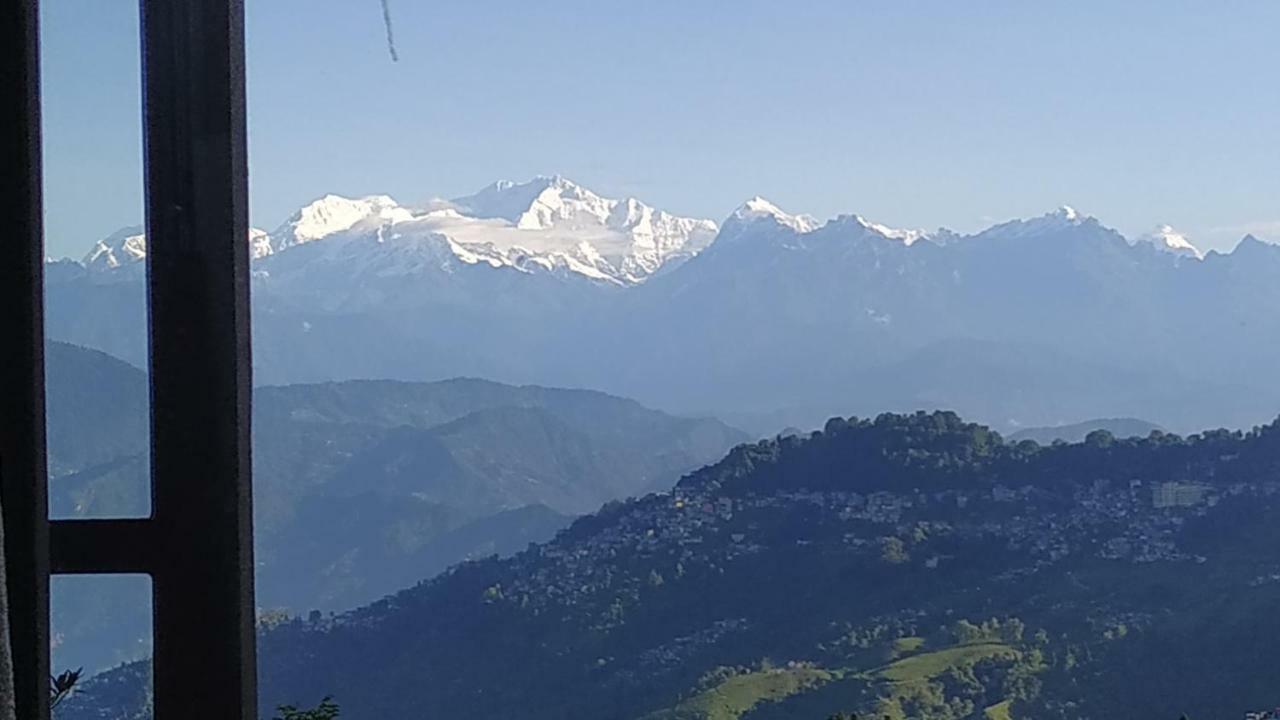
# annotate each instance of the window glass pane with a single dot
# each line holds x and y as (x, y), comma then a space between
(680, 361)
(95, 296)
(101, 624)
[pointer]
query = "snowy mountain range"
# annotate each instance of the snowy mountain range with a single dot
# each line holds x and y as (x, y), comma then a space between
(547, 224)
(769, 319)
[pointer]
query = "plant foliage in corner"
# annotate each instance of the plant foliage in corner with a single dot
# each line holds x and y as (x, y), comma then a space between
(61, 686)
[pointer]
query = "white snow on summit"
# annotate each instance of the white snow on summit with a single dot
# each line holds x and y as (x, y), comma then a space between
(1066, 213)
(561, 222)
(757, 208)
(1166, 239)
(259, 244)
(123, 247)
(540, 204)
(128, 246)
(547, 224)
(907, 237)
(334, 214)
(1063, 218)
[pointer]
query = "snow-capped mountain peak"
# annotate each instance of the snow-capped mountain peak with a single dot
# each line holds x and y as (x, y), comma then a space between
(128, 246)
(1166, 239)
(259, 243)
(562, 201)
(1063, 218)
(334, 214)
(123, 247)
(535, 205)
(1066, 213)
(547, 224)
(907, 237)
(757, 208)
(555, 219)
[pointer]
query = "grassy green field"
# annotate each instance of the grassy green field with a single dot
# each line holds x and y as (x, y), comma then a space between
(906, 645)
(900, 679)
(739, 694)
(929, 665)
(999, 711)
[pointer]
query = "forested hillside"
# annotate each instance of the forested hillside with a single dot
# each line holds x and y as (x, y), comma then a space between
(908, 566)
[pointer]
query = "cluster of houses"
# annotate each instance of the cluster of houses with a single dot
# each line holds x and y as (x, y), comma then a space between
(702, 526)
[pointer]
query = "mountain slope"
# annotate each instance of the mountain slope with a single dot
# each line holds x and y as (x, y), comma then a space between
(500, 285)
(404, 478)
(623, 241)
(865, 314)
(1077, 432)
(549, 224)
(868, 563)
(910, 566)
(96, 406)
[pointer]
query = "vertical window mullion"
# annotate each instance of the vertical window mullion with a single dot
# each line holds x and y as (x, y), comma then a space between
(23, 487)
(198, 303)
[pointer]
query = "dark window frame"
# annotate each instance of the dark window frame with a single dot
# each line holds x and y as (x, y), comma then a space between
(197, 543)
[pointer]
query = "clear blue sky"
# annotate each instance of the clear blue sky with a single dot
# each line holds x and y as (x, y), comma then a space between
(910, 113)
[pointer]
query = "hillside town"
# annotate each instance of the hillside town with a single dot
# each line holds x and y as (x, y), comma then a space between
(693, 528)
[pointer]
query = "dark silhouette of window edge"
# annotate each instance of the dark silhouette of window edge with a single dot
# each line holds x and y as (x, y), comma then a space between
(197, 544)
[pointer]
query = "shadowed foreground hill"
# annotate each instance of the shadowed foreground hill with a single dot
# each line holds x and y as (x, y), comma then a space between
(908, 567)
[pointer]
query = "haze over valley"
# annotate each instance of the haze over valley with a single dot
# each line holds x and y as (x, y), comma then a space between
(1043, 321)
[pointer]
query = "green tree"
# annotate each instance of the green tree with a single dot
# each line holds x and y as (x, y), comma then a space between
(1100, 439)
(894, 551)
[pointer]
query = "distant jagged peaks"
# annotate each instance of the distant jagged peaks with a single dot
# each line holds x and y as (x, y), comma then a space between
(1250, 246)
(128, 246)
(1166, 239)
(908, 237)
(623, 240)
(317, 220)
(757, 208)
(1063, 218)
(125, 246)
(333, 214)
(538, 204)
(550, 224)
(259, 243)
(1066, 213)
